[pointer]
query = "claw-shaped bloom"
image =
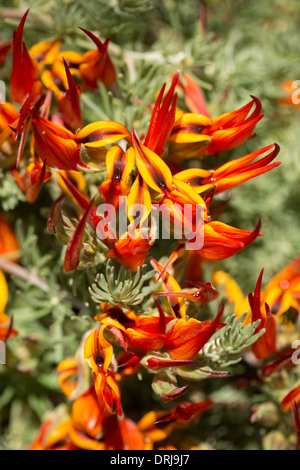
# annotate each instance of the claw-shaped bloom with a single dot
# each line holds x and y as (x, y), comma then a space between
(24, 69)
(200, 135)
(9, 246)
(59, 146)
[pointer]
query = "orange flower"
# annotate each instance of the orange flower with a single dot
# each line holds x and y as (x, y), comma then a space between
(4, 50)
(233, 293)
(55, 144)
(222, 241)
(176, 301)
(55, 78)
(186, 338)
(148, 333)
(200, 135)
(24, 69)
(31, 183)
(108, 392)
(98, 353)
(91, 66)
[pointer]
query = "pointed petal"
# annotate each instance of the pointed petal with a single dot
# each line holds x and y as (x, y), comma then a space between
(297, 422)
(102, 133)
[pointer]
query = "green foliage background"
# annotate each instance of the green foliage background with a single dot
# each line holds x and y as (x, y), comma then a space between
(242, 48)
